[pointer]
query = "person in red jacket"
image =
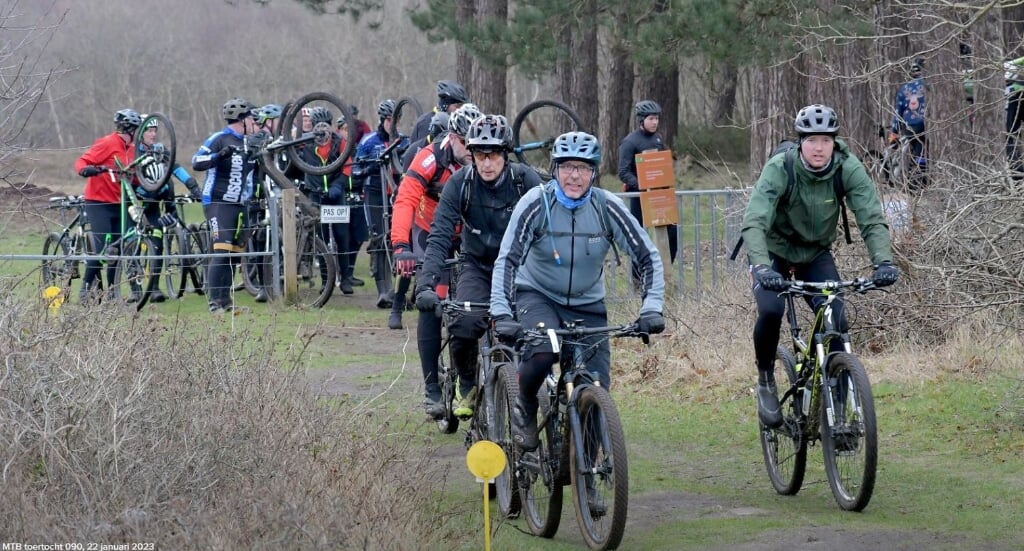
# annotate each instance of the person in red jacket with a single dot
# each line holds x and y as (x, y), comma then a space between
(102, 193)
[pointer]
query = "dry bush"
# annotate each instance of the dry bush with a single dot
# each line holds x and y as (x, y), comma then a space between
(126, 430)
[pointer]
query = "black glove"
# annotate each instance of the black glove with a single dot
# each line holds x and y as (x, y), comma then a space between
(885, 274)
(769, 279)
(167, 220)
(651, 323)
(426, 299)
(405, 261)
(193, 190)
(227, 151)
(507, 329)
(90, 171)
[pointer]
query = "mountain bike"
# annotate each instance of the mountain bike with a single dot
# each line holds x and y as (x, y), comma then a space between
(407, 112)
(828, 398)
(899, 167)
(71, 241)
(534, 131)
(178, 242)
(582, 442)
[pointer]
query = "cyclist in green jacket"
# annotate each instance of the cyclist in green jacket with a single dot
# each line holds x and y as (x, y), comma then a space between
(796, 233)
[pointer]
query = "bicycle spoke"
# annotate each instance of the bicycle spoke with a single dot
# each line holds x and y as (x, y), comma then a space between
(849, 439)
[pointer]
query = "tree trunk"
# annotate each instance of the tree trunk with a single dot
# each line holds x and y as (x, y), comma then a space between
(1013, 31)
(465, 10)
(780, 94)
(583, 92)
(725, 101)
(619, 101)
(662, 85)
(489, 82)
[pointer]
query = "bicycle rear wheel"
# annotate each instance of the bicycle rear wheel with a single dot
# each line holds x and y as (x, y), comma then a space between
(785, 448)
(540, 486)
(317, 271)
(135, 276)
(849, 439)
(175, 270)
(293, 113)
(164, 155)
(407, 112)
(196, 267)
(58, 271)
(600, 470)
(506, 388)
(252, 266)
(535, 129)
(448, 380)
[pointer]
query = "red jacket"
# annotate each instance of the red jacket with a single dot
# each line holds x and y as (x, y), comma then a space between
(102, 153)
(420, 190)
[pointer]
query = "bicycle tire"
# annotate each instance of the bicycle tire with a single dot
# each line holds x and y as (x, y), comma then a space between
(175, 270)
(785, 448)
(543, 128)
(317, 271)
(166, 137)
(137, 271)
(251, 265)
(197, 266)
(400, 108)
(293, 153)
(601, 464)
(849, 439)
(506, 388)
(58, 272)
(540, 485)
(448, 380)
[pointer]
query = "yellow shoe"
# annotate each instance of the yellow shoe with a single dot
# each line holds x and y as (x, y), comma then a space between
(465, 406)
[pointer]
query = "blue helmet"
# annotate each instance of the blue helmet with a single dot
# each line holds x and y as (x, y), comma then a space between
(268, 112)
(576, 145)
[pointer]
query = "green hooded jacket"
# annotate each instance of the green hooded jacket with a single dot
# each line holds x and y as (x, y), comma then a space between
(808, 223)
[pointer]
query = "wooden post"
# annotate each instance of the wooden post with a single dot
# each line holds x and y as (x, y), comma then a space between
(656, 179)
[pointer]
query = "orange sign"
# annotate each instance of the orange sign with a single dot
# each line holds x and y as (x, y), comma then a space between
(659, 207)
(654, 170)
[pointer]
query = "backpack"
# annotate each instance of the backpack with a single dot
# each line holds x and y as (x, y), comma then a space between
(600, 202)
(467, 190)
(789, 149)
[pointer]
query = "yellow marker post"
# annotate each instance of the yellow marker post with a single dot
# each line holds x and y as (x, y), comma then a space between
(54, 298)
(486, 460)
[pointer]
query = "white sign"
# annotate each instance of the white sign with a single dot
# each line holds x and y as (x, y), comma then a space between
(335, 214)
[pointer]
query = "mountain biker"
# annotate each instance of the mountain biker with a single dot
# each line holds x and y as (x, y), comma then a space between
(909, 107)
(796, 236)
(1014, 73)
(153, 199)
(366, 168)
(645, 138)
(355, 236)
(552, 260)
(268, 121)
(450, 96)
(479, 199)
(414, 211)
(438, 125)
(226, 192)
(102, 193)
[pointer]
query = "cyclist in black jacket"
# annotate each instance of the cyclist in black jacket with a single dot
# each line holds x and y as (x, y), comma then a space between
(450, 96)
(480, 197)
(644, 138)
(226, 192)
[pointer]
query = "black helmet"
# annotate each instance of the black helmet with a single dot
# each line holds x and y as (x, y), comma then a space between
(576, 145)
(341, 121)
(127, 120)
(438, 124)
(386, 109)
(320, 115)
(449, 92)
(917, 67)
(817, 119)
(647, 108)
(461, 118)
(489, 132)
(237, 109)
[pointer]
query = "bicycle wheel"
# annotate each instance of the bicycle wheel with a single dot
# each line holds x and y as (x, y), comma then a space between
(849, 439)
(164, 153)
(506, 388)
(407, 112)
(135, 276)
(785, 448)
(540, 486)
(175, 270)
(600, 470)
(535, 129)
(336, 106)
(252, 265)
(196, 267)
(317, 271)
(448, 379)
(58, 271)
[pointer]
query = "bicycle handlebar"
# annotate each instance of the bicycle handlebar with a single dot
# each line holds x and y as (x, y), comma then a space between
(67, 201)
(540, 334)
(858, 285)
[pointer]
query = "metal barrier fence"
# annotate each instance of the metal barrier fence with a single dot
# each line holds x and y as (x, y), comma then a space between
(709, 226)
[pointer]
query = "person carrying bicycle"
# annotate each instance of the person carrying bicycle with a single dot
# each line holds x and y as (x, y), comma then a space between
(479, 199)
(450, 96)
(226, 192)
(552, 262)
(102, 193)
(909, 108)
(438, 125)
(796, 235)
(154, 169)
(367, 168)
(414, 212)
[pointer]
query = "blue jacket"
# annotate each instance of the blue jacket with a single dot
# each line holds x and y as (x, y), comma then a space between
(910, 105)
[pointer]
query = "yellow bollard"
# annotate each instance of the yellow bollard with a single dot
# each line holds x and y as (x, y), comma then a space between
(486, 460)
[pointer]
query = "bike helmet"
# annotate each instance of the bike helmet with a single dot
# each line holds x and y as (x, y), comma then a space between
(340, 122)
(460, 119)
(576, 145)
(647, 108)
(268, 112)
(127, 120)
(917, 67)
(153, 123)
(237, 109)
(320, 115)
(386, 109)
(449, 92)
(438, 124)
(489, 132)
(817, 119)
